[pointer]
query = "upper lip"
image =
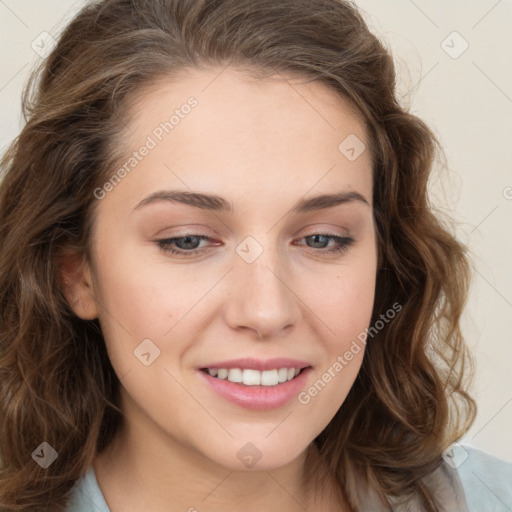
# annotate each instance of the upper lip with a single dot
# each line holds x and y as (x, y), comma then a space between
(259, 364)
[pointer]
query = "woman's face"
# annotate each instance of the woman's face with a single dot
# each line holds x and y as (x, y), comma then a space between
(258, 277)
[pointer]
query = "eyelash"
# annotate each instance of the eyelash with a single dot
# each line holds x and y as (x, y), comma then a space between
(165, 244)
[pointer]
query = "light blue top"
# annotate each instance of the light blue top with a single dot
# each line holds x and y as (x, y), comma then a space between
(486, 482)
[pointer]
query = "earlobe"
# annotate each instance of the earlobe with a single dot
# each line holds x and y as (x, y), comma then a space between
(76, 281)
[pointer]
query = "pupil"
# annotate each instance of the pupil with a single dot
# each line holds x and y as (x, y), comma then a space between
(316, 237)
(186, 240)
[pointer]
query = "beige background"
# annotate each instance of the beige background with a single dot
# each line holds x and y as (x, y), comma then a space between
(465, 96)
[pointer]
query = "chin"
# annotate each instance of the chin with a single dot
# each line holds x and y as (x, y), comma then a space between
(257, 453)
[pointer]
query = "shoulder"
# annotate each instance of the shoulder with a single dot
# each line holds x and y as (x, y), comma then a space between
(486, 480)
(86, 495)
(467, 480)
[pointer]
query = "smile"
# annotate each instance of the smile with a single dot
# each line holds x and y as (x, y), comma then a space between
(255, 383)
(250, 377)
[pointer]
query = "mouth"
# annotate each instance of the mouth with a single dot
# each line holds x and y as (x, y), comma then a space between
(256, 384)
(252, 377)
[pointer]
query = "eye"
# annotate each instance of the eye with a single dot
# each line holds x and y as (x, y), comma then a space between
(342, 243)
(189, 245)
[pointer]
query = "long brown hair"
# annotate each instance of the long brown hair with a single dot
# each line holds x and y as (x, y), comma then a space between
(409, 401)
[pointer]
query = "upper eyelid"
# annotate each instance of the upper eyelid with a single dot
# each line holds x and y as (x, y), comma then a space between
(332, 236)
(211, 238)
(201, 231)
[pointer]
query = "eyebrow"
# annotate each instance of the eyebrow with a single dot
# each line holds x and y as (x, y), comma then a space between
(216, 203)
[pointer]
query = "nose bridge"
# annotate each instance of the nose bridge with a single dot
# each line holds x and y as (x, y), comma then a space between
(263, 299)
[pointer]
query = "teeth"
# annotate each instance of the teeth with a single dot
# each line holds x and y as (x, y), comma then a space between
(254, 377)
(235, 375)
(282, 374)
(270, 378)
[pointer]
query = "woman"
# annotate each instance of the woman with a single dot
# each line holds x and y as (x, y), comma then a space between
(222, 284)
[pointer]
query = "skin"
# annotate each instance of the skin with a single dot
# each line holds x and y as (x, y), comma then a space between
(262, 145)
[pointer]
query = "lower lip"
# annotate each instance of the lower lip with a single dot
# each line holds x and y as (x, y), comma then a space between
(258, 397)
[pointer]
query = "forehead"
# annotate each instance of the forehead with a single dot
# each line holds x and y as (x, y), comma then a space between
(268, 135)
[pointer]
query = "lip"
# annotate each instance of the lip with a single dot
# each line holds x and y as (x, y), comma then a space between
(259, 364)
(257, 397)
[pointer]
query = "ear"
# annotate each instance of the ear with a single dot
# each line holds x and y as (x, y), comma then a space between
(76, 281)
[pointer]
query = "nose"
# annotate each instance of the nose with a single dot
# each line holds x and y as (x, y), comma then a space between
(262, 298)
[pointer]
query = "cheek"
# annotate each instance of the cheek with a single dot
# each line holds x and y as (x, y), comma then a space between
(345, 308)
(132, 306)
(345, 301)
(142, 300)
(136, 293)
